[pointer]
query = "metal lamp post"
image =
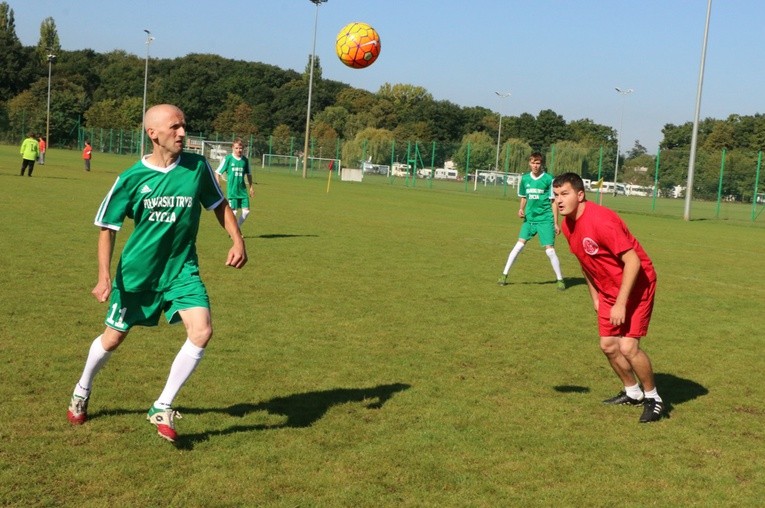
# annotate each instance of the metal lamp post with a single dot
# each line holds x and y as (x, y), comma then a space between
(694, 135)
(149, 38)
(499, 132)
(51, 58)
(624, 93)
(310, 88)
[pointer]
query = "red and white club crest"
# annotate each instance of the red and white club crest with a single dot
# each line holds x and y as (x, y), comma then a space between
(590, 246)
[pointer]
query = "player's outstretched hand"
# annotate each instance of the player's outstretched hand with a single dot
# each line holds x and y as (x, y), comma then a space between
(237, 256)
(102, 290)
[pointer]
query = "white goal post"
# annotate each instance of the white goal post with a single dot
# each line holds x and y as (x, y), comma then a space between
(324, 163)
(216, 151)
(277, 160)
(295, 163)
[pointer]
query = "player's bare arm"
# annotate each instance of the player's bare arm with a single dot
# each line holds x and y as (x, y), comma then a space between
(555, 216)
(105, 250)
(250, 189)
(522, 209)
(592, 290)
(237, 254)
(630, 272)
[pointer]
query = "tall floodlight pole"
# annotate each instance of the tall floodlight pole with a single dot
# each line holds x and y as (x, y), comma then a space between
(694, 136)
(310, 88)
(149, 38)
(624, 93)
(51, 58)
(499, 131)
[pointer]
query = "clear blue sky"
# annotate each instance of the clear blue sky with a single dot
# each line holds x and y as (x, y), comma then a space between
(563, 55)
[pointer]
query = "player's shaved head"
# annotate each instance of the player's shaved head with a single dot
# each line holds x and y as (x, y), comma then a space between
(166, 127)
(155, 115)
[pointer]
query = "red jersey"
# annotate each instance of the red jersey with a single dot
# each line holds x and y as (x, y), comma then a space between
(598, 238)
(86, 151)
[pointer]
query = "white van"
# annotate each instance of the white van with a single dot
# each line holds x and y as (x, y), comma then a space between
(446, 174)
(400, 169)
(377, 169)
(639, 190)
(608, 188)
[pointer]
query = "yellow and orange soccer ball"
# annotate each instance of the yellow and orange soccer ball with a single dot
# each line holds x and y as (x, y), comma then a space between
(358, 45)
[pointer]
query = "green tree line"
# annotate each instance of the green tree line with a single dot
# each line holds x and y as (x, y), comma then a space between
(224, 97)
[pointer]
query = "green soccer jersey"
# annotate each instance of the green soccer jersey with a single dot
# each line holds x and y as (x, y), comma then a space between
(538, 193)
(165, 205)
(234, 170)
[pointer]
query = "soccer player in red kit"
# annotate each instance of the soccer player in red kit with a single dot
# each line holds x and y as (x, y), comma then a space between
(622, 284)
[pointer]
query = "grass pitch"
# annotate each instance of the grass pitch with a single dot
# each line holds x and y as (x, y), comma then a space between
(366, 357)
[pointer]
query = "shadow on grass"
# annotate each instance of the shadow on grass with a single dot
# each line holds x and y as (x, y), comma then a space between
(116, 412)
(280, 235)
(571, 389)
(676, 390)
(570, 282)
(673, 390)
(574, 281)
(40, 177)
(301, 409)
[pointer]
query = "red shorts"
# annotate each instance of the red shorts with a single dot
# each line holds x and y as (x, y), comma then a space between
(638, 315)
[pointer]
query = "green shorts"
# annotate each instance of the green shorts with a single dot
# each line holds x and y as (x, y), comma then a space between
(239, 203)
(545, 230)
(143, 308)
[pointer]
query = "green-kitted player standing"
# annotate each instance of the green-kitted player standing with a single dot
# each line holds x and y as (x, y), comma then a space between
(539, 217)
(158, 271)
(234, 168)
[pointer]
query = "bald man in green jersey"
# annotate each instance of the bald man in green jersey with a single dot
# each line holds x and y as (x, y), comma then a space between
(158, 270)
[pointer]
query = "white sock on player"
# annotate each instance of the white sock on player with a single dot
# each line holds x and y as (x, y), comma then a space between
(243, 217)
(634, 392)
(513, 254)
(555, 262)
(97, 358)
(184, 364)
(652, 394)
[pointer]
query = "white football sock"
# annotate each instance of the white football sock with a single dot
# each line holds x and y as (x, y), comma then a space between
(555, 262)
(184, 364)
(513, 254)
(243, 217)
(97, 358)
(634, 392)
(652, 394)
